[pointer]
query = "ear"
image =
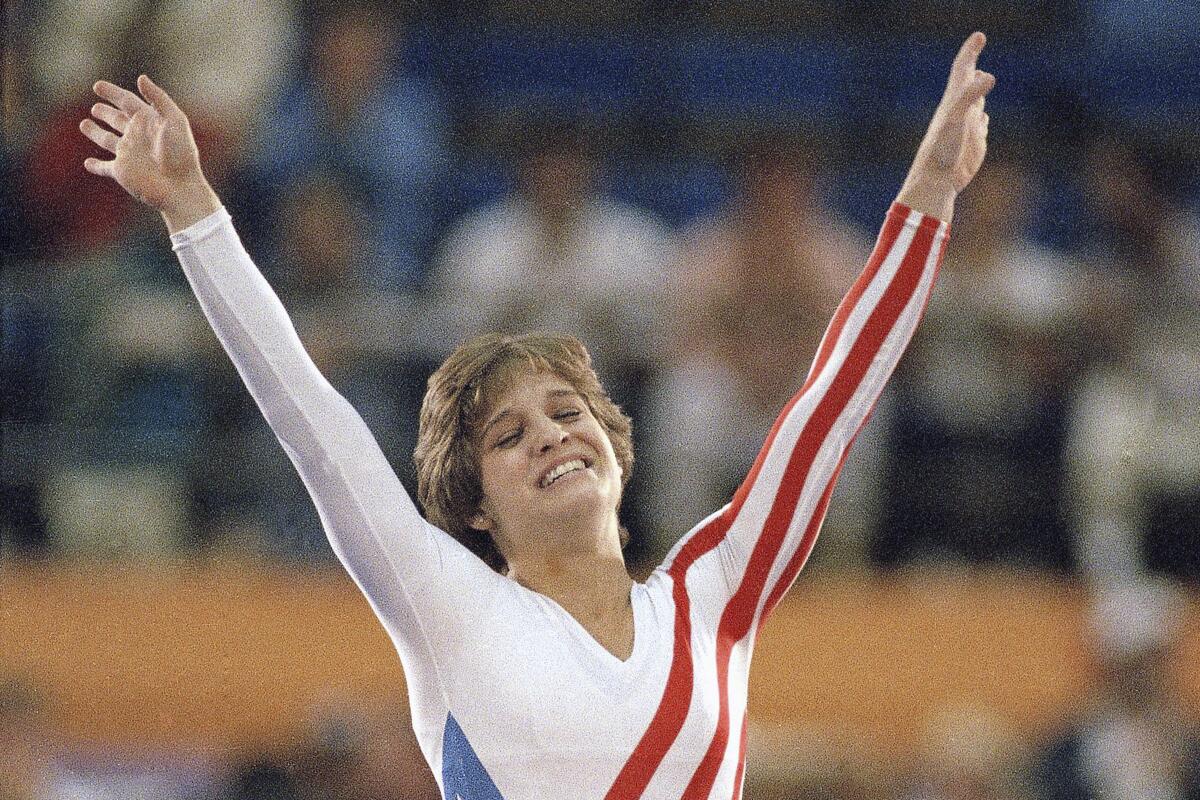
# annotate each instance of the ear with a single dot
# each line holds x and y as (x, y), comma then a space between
(482, 522)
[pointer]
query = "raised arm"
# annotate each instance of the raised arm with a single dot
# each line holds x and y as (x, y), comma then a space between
(372, 524)
(750, 552)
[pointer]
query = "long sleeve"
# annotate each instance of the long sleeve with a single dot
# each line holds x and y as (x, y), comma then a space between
(407, 568)
(762, 538)
(726, 574)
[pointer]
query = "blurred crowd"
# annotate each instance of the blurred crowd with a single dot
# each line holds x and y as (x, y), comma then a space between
(689, 188)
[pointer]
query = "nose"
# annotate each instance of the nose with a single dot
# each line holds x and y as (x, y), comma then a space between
(550, 434)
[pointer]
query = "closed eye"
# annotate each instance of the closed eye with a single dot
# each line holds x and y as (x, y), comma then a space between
(509, 438)
(565, 415)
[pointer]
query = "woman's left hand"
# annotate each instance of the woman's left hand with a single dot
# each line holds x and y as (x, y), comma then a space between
(956, 141)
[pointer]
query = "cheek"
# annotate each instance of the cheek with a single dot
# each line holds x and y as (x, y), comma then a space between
(610, 451)
(495, 473)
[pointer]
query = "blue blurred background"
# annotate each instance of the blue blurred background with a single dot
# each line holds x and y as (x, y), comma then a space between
(687, 186)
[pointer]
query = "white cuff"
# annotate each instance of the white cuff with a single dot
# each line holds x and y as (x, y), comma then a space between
(198, 230)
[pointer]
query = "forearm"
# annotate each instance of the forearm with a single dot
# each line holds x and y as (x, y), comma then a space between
(779, 508)
(371, 522)
(249, 320)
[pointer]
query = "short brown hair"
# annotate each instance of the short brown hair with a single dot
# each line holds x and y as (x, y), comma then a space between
(459, 393)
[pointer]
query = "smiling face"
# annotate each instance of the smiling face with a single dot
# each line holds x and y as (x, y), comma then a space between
(467, 398)
(547, 468)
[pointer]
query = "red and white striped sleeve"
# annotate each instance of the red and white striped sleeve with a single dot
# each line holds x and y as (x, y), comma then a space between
(730, 571)
(767, 531)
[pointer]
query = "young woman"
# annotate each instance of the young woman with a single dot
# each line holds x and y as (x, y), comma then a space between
(542, 669)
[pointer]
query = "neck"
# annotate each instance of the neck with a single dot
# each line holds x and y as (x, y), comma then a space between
(589, 584)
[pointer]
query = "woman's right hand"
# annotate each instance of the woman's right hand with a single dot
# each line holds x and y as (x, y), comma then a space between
(155, 154)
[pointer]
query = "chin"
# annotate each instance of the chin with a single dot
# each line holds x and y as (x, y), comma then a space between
(590, 500)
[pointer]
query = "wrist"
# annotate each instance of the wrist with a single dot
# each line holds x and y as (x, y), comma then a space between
(929, 191)
(188, 205)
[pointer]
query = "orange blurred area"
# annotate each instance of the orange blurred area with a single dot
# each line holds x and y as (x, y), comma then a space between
(238, 656)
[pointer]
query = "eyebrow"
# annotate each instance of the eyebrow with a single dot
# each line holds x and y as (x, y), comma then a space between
(554, 393)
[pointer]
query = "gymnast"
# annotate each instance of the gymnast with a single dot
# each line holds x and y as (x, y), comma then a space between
(536, 666)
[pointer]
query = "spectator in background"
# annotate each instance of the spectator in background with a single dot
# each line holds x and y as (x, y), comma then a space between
(1135, 422)
(749, 297)
(354, 112)
(1133, 741)
(1132, 191)
(969, 754)
(978, 434)
(235, 56)
(228, 61)
(129, 406)
(559, 256)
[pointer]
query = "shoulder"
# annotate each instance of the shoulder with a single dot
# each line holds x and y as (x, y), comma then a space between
(630, 230)
(479, 235)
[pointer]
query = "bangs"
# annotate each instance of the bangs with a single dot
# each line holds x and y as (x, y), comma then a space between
(512, 362)
(498, 377)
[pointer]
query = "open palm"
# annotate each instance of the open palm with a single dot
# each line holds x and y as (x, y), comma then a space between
(150, 138)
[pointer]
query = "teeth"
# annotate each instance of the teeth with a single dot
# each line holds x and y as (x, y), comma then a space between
(562, 469)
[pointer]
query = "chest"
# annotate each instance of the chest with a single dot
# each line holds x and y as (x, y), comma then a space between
(543, 703)
(554, 685)
(614, 635)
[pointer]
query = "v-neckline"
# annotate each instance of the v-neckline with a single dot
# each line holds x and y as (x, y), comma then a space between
(579, 632)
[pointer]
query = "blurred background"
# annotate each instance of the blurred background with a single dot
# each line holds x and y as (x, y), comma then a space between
(1002, 603)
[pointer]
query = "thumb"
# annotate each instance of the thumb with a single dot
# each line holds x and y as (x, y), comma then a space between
(976, 89)
(158, 97)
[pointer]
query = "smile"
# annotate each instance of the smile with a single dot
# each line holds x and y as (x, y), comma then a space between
(564, 468)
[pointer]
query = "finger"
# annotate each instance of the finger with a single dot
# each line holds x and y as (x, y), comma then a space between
(116, 119)
(123, 99)
(101, 136)
(98, 167)
(157, 96)
(142, 123)
(982, 83)
(975, 91)
(968, 54)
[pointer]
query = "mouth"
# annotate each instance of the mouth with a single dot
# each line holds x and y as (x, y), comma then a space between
(565, 468)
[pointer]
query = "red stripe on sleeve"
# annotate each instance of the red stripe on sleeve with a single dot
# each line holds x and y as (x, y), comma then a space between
(893, 224)
(810, 534)
(668, 720)
(739, 613)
